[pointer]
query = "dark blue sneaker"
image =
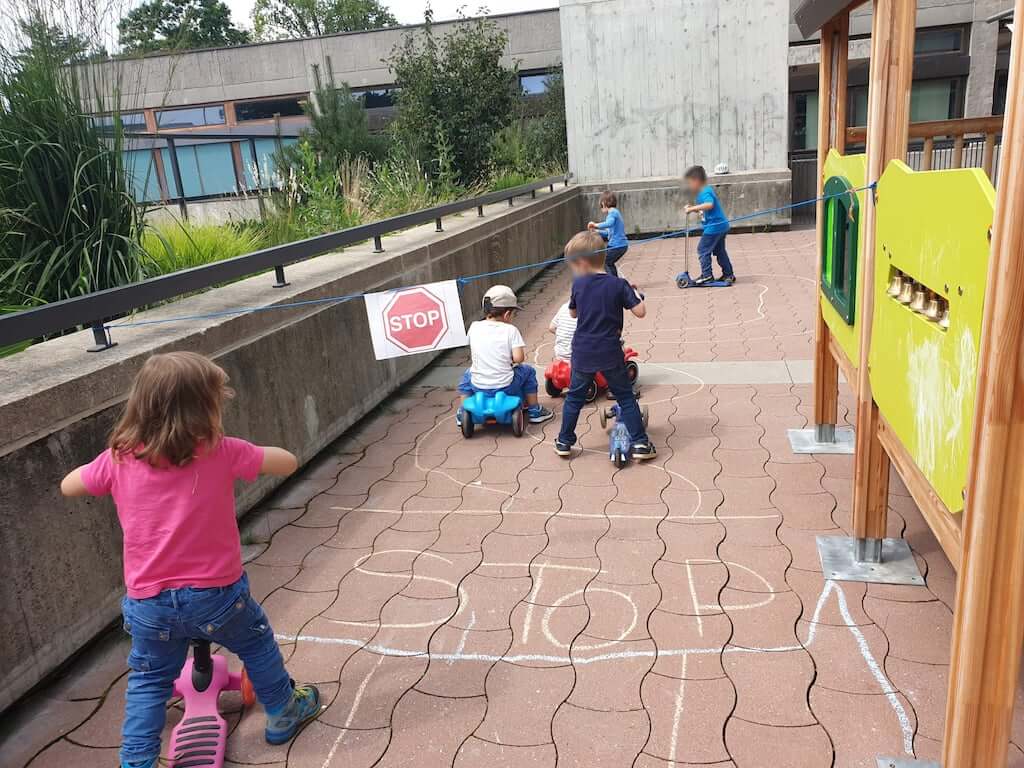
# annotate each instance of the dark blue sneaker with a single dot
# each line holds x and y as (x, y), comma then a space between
(303, 707)
(563, 449)
(151, 763)
(538, 414)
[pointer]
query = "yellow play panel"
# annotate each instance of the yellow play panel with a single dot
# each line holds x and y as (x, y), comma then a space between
(934, 227)
(854, 169)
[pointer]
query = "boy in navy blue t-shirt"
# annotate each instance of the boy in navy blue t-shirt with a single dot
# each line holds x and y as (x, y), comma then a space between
(716, 227)
(597, 302)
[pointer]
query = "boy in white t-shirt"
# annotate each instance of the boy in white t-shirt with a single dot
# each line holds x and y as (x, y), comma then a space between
(499, 353)
(563, 325)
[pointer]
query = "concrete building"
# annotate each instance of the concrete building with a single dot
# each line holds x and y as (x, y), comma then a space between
(960, 72)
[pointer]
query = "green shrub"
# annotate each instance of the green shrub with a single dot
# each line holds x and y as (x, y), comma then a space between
(68, 222)
(174, 246)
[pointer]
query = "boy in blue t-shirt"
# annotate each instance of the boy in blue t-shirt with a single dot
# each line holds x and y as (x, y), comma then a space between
(716, 226)
(597, 302)
(612, 229)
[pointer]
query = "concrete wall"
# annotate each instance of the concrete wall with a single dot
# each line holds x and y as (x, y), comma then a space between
(654, 86)
(301, 377)
(284, 67)
(653, 206)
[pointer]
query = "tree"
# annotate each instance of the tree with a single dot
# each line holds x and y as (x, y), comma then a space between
(167, 25)
(279, 19)
(59, 45)
(454, 95)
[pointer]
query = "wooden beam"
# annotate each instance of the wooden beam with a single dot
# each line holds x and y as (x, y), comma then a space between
(989, 621)
(988, 154)
(926, 154)
(889, 80)
(957, 160)
(832, 78)
(944, 524)
(933, 128)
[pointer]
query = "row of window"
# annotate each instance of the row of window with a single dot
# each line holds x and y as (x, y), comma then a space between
(207, 169)
(940, 99)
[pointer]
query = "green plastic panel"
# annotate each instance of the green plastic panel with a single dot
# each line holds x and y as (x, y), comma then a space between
(854, 169)
(933, 226)
(840, 239)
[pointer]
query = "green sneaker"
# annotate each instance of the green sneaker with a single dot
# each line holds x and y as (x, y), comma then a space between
(303, 707)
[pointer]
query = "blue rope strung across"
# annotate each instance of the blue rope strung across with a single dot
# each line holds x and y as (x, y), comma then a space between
(470, 278)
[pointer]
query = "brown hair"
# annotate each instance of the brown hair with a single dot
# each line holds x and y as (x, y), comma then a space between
(587, 246)
(174, 406)
(696, 172)
(609, 199)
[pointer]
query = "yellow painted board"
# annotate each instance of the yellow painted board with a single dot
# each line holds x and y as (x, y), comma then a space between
(933, 226)
(854, 168)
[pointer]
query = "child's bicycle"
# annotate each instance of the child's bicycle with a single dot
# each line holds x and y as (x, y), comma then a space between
(201, 737)
(620, 447)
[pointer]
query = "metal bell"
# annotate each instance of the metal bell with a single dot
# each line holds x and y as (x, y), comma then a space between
(944, 317)
(906, 291)
(895, 284)
(933, 308)
(920, 297)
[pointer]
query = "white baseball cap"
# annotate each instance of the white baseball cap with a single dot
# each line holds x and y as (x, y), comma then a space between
(500, 297)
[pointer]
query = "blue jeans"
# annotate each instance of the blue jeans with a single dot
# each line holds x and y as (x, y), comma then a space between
(621, 387)
(161, 628)
(611, 258)
(524, 382)
(713, 245)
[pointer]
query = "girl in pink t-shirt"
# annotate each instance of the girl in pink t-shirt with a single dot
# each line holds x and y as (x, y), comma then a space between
(172, 471)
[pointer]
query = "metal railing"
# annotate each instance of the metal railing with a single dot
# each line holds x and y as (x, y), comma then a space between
(93, 310)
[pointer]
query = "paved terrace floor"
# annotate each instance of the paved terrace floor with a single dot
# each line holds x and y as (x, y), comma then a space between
(485, 603)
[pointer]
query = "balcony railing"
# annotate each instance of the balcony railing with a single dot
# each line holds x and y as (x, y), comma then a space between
(93, 310)
(967, 143)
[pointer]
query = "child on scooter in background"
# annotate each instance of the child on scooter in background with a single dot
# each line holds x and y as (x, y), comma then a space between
(598, 301)
(498, 354)
(171, 471)
(612, 229)
(716, 227)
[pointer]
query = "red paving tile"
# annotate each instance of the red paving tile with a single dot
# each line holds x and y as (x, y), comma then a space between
(486, 603)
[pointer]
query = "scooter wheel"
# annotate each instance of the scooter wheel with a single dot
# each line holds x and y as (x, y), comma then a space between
(467, 424)
(621, 460)
(602, 415)
(680, 283)
(646, 415)
(519, 422)
(592, 392)
(248, 692)
(551, 388)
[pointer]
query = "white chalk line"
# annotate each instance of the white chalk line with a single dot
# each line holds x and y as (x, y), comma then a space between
(874, 667)
(677, 714)
(352, 712)
(573, 515)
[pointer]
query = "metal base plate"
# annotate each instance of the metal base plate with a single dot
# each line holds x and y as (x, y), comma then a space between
(806, 441)
(897, 567)
(905, 762)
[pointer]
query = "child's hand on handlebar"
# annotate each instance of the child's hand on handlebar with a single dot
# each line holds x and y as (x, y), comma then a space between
(591, 225)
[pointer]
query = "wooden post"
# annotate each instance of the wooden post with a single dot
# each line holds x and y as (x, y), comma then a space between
(926, 153)
(892, 61)
(988, 154)
(989, 621)
(832, 78)
(958, 152)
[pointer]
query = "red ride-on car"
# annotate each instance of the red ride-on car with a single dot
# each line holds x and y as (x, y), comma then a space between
(559, 374)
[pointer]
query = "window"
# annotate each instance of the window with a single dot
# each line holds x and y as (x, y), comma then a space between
(938, 40)
(266, 109)
(206, 169)
(142, 175)
(999, 92)
(533, 84)
(190, 117)
(376, 98)
(935, 99)
(132, 121)
(857, 105)
(839, 249)
(266, 151)
(805, 121)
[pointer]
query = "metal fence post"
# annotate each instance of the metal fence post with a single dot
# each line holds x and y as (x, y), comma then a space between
(279, 275)
(172, 151)
(378, 246)
(438, 227)
(101, 338)
(259, 180)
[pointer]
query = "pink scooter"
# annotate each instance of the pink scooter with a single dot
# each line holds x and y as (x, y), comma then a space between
(201, 737)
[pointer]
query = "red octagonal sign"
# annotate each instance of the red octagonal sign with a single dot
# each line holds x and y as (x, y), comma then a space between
(415, 320)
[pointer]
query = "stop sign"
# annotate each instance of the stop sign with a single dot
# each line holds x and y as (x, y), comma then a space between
(415, 320)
